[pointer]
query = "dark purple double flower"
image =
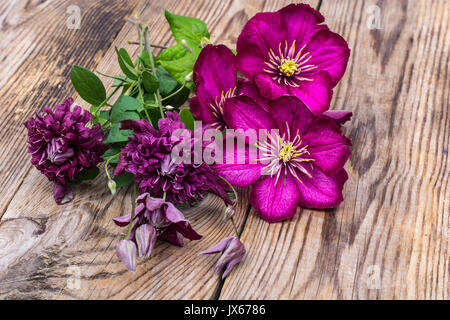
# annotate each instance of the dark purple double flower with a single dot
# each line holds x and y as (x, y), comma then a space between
(153, 218)
(62, 146)
(149, 157)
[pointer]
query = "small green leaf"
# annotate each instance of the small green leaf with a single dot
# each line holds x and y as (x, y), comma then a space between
(190, 29)
(116, 135)
(124, 179)
(187, 118)
(180, 68)
(88, 174)
(88, 85)
(122, 105)
(151, 83)
(166, 82)
(125, 63)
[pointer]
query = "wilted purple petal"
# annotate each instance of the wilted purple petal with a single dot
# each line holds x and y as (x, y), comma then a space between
(145, 239)
(126, 252)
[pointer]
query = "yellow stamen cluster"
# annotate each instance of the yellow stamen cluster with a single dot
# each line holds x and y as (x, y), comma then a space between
(288, 67)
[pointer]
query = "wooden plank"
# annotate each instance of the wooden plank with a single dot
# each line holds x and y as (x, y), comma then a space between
(37, 50)
(389, 239)
(68, 252)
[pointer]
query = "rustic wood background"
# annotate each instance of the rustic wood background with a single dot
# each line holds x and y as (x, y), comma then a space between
(388, 240)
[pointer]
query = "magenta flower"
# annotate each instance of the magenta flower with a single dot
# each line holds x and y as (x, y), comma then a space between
(153, 218)
(215, 76)
(301, 164)
(289, 52)
(232, 250)
(148, 156)
(62, 146)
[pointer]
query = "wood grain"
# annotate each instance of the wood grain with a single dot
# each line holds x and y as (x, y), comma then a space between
(390, 237)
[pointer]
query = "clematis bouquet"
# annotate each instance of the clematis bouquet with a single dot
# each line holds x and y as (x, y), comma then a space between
(201, 118)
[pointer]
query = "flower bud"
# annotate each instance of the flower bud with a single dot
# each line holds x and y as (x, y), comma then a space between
(112, 186)
(188, 78)
(185, 44)
(126, 252)
(229, 212)
(169, 107)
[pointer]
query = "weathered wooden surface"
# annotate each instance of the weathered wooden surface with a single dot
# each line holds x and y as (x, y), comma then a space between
(389, 239)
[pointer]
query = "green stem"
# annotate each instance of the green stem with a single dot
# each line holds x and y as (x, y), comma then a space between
(232, 188)
(107, 163)
(164, 195)
(173, 93)
(133, 204)
(152, 63)
(235, 227)
(106, 100)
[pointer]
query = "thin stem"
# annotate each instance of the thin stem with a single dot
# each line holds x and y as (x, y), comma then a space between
(106, 100)
(235, 227)
(152, 45)
(164, 195)
(174, 93)
(232, 188)
(133, 204)
(152, 63)
(107, 163)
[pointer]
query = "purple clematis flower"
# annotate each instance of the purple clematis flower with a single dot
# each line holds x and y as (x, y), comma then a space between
(62, 146)
(232, 250)
(148, 156)
(290, 52)
(299, 164)
(153, 218)
(216, 79)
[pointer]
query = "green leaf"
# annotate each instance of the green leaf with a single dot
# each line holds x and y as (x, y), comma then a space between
(155, 115)
(173, 53)
(187, 118)
(151, 83)
(88, 85)
(124, 179)
(190, 29)
(180, 68)
(166, 82)
(116, 135)
(125, 63)
(88, 174)
(120, 109)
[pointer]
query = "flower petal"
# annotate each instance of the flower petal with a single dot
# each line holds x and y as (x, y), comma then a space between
(293, 112)
(244, 113)
(62, 193)
(275, 202)
(218, 247)
(214, 73)
(338, 116)
(201, 111)
(302, 21)
(145, 239)
(126, 252)
(250, 60)
(248, 89)
(330, 53)
(265, 30)
(316, 94)
(269, 88)
(327, 146)
(321, 191)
